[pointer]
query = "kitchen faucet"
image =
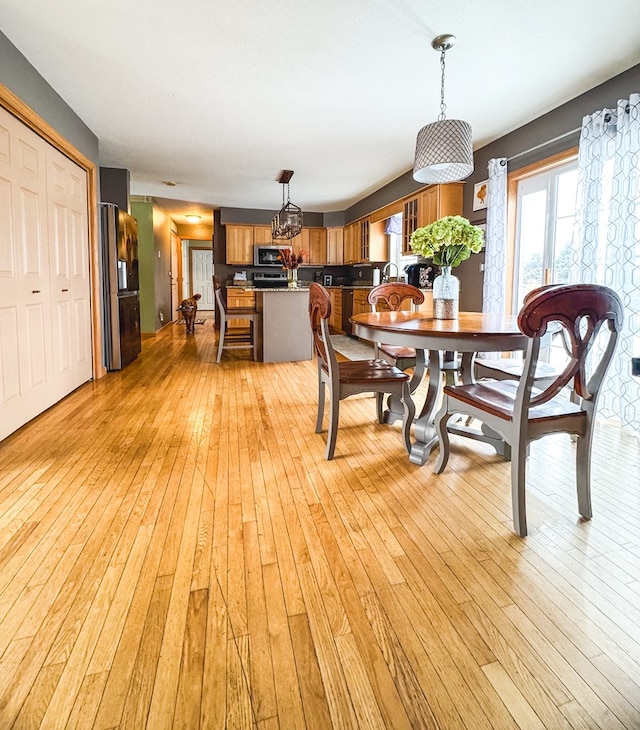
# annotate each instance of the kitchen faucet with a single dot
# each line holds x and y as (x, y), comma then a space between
(385, 272)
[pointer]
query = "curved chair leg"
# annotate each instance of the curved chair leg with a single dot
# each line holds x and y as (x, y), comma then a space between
(440, 423)
(321, 398)
(518, 494)
(334, 411)
(380, 407)
(409, 413)
(583, 475)
(221, 338)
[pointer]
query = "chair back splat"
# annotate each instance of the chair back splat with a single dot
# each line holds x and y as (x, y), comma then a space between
(348, 378)
(394, 294)
(582, 310)
(519, 412)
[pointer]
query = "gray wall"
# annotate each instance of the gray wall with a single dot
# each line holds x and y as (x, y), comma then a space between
(18, 75)
(554, 124)
(114, 187)
(538, 132)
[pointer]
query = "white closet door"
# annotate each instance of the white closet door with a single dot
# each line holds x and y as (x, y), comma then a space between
(69, 271)
(30, 373)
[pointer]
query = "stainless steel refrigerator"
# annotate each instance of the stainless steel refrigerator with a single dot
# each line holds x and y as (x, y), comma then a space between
(121, 285)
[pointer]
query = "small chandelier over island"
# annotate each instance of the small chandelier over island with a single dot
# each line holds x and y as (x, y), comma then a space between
(287, 222)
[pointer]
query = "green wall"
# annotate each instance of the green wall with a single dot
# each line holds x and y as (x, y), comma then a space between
(143, 212)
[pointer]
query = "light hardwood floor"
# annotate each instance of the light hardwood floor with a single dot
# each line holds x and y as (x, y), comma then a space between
(175, 552)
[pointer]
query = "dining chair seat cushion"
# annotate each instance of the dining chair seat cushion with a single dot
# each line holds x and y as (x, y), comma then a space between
(397, 352)
(354, 372)
(499, 400)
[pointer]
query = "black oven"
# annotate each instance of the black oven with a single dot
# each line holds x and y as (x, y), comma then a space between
(268, 255)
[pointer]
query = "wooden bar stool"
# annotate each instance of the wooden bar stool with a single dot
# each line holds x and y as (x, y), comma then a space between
(228, 339)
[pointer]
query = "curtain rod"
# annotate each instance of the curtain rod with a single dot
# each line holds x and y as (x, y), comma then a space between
(541, 145)
(607, 118)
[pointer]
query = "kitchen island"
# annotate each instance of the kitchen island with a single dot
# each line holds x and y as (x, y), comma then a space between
(283, 329)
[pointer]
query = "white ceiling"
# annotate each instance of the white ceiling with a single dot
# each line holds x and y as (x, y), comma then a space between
(221, 95)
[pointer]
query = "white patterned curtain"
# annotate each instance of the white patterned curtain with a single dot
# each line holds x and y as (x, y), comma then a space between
(606, 242)
(495, 256)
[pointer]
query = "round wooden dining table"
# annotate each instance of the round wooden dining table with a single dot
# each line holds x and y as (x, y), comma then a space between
(469, 334)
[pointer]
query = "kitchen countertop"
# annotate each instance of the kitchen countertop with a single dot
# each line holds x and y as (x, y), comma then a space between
(267, 288)
(302, 287)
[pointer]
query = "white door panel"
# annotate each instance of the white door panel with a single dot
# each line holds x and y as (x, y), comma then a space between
(5, 142)
(45, 322)
(202, 276)
(9, 359)
(8, 247)
(36, 346)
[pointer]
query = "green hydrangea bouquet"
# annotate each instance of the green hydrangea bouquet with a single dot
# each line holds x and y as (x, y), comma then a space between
(448, 241)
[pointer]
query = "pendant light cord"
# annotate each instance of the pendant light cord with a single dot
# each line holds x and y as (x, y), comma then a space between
(443, 106)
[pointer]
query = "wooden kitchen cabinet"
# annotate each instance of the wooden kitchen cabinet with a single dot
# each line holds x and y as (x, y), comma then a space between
(360, 301)
(335, 245)
(239, 245)
(378, 243)
(316, 245)
(242, 238)
(352, 243)
(409, 223)
(335, 321)
(438, 201)
(365, 242)
(314, 242)
(263, 235)
(428, 206)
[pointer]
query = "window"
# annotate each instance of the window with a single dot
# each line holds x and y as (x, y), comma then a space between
(393, 229)
(546, 206)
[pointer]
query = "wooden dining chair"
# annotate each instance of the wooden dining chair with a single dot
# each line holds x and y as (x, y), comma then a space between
(521, 413)
(234, 340)
(392, 295)
(351, 377)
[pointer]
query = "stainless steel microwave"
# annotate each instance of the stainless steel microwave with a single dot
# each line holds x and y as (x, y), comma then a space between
(268, 255)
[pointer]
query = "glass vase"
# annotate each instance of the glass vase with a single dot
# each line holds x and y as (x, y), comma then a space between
(292, 278)
(446, 295)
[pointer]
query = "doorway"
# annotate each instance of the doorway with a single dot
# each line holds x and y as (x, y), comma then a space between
(201, 276)
(546, 207)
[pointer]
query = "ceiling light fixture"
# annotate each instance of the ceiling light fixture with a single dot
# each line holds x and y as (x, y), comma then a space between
(287, 222)
(193, 218)
(444, 149)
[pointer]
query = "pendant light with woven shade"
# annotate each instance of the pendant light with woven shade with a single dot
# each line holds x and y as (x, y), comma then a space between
(444, 148)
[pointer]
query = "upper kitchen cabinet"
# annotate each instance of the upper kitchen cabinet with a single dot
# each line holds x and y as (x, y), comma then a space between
(335, 245)
(316, 245)
(438, 201)
(409, 222)
(378, 243)
(314, 242)
(352, 243)
(364, 242)
(239, 244)
(262, 235)
(428, 206)
(241, 239)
